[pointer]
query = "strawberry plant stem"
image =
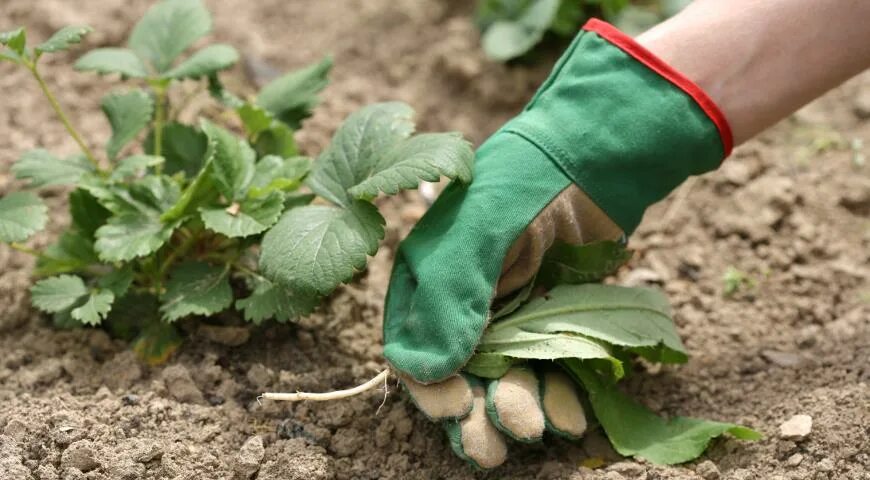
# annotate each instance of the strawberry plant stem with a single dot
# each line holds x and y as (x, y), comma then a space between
(321, 397)
(159, 118)
(24, 249)
(182, 250)
(63, 118)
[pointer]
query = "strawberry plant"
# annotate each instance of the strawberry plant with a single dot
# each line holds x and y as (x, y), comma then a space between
(592, 331)
(172, 220)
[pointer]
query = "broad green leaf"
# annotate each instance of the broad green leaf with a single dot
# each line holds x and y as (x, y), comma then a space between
(254, 118)
(112, 60)
(21, 215)
(632, 318)
(515, 302)
(317, 247)
(196, 288)
(634, 430)
(73, 252)
(87, 213)
(57, 293)
(134, 165)
(292, 97)
(205, 62)
(200, 192)
(248, 217)
(276, 140)
(572, 264)
(233, 161)
(184, 148)
(226, 98)
(16, 40)
(294, 200)
(273, 173)
(128, 113)
(63, 39)
(425, 157)
(95, 309)
(148, 196)
(489, 365)
(157, 342)
(507, 39)
(44, 169)
(272, 301)
(167, 29)
(132, 235)
(117, 281)
(357, 147)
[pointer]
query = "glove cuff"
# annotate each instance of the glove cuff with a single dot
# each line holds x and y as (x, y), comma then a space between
(622, 124)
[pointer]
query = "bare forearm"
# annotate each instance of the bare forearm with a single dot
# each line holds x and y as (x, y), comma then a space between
(761, 60)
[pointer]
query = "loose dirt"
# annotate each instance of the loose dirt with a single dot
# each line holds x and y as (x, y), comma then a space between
(789, 209)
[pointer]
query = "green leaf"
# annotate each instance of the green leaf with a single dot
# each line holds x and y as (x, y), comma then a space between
(128, 114)
(572, 315)
(73, 252)
(273, 173)
(515, 302)
(200, 192)
(226, 98)
(167, 29)
(21, 215)
(57, 293)
(254, 118)
(250, 217)
(95, 309)
(357, 147)
(184, 148)
(117, 281)
(196, 288)
(292, 97)
(207, 61)
(132, 235)
(130, 313)
(107, 61)
(233, 162)
(63, 39)
(134, 165)
(572, 264)
(276, 140)
(568, 18)
(507, 39)
(87, 213)
(634, 430)
(16, 40)
(425, 157)
(44, 169)
(317, 247)
(489, 365)
(157, 342)
(271, 301)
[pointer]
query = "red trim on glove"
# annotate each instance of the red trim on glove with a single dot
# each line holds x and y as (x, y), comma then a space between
(656, 64)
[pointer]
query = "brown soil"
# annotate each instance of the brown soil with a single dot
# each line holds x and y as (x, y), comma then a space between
(790, 209)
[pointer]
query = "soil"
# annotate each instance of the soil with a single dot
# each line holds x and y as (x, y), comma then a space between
(789, 210)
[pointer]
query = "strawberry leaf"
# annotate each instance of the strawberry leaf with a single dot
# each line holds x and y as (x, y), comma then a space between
(205, 62)
(271, 301)
(167, 29)
(233, 162)
(184, 148)
(87, 213)
(425, 157)
(134, 165)
(59, 293)
(106, 61)
(292, 97)
(63, 39)
(357, 147)
(16, 40)
(74, 251)
(317, 247)
(196, 288)
(273, 173)
(95, 309)
(44, 169)
(252, 216)
(128, 113)
(21, 215)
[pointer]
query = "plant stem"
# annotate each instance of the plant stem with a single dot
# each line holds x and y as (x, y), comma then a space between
(320, 397)
(63, 118)
(182, 249)
(24, 249)
(159, 119)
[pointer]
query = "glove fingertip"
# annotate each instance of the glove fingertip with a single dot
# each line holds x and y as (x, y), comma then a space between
(513, 406)
(563, 410)
(474, 439)
(450, 399)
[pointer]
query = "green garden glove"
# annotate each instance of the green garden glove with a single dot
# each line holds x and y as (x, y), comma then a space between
(613, 129)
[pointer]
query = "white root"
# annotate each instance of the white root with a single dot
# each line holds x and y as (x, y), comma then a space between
(322, 397)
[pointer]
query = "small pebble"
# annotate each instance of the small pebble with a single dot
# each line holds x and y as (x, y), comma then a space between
(794, 460)
(130, 399)
(708, 470)
(796, 427)
(781, 359)
(80, 455)
(250, 457)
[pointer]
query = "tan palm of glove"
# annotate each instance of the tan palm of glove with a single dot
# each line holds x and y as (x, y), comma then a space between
(522, 404)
